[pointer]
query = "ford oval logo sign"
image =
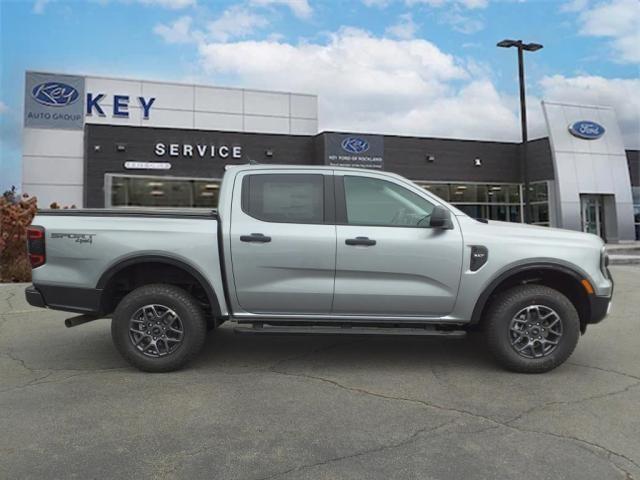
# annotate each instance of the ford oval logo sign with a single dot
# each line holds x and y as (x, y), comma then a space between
(586, 129)
(55, 94)
(355, 145)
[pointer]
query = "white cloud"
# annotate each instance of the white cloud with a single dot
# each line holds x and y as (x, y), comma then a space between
(3, 107)
(621, 94)
(300, 8)
(470, 4)
(404, 29)
(618, 20)
(376, 3)
(463, 23)
(372, 84)
(574, 5)
(176, 32)
(235, 22)
(170, 4)
(39, 6)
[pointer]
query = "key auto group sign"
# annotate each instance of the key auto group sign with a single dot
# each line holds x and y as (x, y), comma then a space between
(60, 102)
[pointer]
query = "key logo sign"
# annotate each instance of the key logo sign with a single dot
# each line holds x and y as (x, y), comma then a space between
(55, 94)
(586, 130)
(355, 145)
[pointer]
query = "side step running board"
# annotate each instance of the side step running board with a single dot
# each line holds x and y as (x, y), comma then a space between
(261, 329)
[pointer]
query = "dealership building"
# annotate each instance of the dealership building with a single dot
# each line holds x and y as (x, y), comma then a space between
(105, 142)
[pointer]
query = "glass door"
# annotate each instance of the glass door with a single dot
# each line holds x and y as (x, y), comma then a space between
(592, 209)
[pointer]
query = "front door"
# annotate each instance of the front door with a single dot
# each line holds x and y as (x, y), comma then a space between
(388, 261)
(283, 242)
(592, 212)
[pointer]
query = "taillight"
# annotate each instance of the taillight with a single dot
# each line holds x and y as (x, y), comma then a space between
(35, 245)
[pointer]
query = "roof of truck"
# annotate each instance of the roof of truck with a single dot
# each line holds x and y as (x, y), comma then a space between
(268, 166)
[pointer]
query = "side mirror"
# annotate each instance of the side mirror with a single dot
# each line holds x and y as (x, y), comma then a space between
(440, 218)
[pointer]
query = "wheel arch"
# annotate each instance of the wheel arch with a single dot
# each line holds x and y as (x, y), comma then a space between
(106, 282)
(563, 278)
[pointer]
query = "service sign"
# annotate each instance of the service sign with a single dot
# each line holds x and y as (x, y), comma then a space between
(354, 150)
(54, 101)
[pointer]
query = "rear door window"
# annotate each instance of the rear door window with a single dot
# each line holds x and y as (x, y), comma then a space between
(284, 198)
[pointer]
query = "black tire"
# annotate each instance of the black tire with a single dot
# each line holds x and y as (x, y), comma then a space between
(499, 337)
(191, 320)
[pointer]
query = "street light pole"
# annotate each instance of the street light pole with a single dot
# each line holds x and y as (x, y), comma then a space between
(524, 164)
(530, 47)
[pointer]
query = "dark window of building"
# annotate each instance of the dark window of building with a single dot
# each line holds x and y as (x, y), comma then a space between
(635, 191)
(371, 201)
(157, 191)
(284, 198)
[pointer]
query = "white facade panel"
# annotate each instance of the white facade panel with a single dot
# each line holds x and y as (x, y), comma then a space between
(53, 170)
(590, 167)
(134, 118)
(63, 195)
(266, 124)
(303, 126)
(45, 142)
(212, 99)
(170, 119)
(304, 106)
(218, 121)
(266, 103)
(169, 95)
(110, 87)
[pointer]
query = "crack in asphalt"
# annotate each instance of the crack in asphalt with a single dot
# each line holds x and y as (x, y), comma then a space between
(604, 370)
(498, 423)
(50, 371)
(410, 439)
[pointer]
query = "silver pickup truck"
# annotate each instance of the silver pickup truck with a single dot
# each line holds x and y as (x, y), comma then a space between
(324, 250)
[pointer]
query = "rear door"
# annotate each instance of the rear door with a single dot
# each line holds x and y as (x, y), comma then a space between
(389, 262)
(283, 241)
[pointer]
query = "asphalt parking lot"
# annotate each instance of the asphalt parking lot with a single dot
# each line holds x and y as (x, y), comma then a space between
(316, 407)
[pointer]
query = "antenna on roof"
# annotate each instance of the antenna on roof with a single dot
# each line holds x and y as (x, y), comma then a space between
(253, 162)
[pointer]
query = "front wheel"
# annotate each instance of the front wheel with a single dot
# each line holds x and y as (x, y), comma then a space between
(158, 328)
(532, 328)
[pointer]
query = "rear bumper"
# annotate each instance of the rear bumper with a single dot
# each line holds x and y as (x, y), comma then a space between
(69, 299)
(34, 297)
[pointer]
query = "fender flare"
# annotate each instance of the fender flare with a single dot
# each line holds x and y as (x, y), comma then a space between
(136, 259)
(516, 270)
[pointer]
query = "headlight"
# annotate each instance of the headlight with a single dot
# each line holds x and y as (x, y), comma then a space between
(604, 262)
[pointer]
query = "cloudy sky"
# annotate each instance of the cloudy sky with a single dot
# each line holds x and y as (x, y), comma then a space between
(413, 67)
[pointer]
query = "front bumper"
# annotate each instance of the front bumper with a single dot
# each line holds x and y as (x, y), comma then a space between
(600, 305)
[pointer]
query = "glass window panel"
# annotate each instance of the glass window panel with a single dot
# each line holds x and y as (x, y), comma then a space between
(498, 212)
(119, 186)
(512, 193)
(496, 194)
(439, 189)
(206, 193)
(463, 193)
(371, 201)
(538, 192)
(159, 192)
(285, 198)
(474, 211)
(540, 213)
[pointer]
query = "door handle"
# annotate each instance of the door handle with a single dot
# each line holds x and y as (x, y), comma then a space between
(365, 241)
(255, 237)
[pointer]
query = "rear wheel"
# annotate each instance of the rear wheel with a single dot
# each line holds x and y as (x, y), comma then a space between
(532, 328)
(158, 328)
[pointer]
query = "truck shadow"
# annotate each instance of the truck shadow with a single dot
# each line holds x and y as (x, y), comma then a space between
(227, 350)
